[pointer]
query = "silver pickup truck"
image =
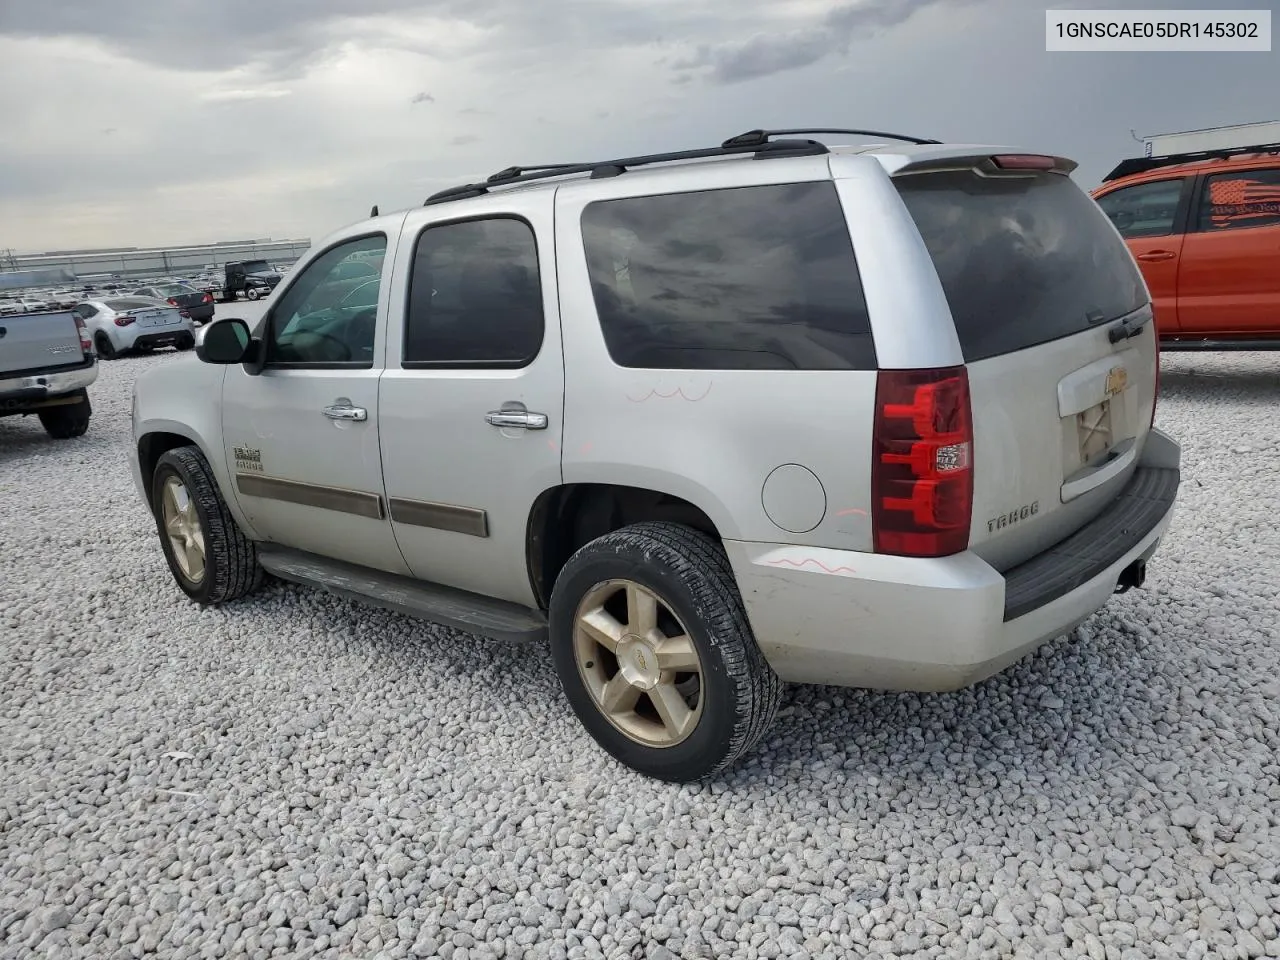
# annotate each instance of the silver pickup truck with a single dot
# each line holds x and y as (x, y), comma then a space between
(47, 363)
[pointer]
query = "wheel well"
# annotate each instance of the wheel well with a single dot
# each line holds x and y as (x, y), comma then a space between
(566, 518)
(151, 448)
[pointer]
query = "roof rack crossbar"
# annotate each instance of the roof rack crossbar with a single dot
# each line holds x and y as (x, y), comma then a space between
(1142, 164)
(759, 137)
(514, 175)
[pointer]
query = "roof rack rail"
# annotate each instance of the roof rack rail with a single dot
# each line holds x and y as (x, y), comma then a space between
(760, 137)
(612, 168)
(1142, 164)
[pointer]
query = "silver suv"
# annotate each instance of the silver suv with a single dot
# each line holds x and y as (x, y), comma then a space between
(708, 422)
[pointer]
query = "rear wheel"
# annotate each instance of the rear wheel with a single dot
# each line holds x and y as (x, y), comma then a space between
(69, 420)
(185, 342)
(102, 344)
(655, 655)
(209, 556)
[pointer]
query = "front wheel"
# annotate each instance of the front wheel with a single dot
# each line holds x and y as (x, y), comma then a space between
(209, 556)
(654, 652)
(252, 293)
(102, 344)
(66, 421)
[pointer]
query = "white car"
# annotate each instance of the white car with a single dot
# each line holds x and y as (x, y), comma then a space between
(876, 415)
(135, 324)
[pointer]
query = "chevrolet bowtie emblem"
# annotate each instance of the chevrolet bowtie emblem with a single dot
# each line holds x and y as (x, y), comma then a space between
(1117, 380)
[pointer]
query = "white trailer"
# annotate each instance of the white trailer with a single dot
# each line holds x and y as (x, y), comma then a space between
(1212, 138)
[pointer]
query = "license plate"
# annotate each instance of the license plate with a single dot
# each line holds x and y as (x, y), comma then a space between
(153, 319)
(1095, 431)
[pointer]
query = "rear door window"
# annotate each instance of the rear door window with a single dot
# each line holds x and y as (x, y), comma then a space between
(1248, 198)
(1022, 260)
(746, 278)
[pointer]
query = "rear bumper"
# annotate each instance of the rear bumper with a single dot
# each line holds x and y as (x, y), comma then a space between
(898, 623)
(166, 336)
(32, 389)
(201, 313)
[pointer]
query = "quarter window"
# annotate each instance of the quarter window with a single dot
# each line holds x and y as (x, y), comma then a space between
(475, 297)
(745, 278)
(1144, 210)
(1231, 201)
(315, 323)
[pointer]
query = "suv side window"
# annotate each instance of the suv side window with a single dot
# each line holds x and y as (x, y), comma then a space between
(475, 296)
(1248, 198)
(744, 278)
(1144, 210)
(312, 325)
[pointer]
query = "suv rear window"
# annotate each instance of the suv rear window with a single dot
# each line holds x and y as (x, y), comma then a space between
(745, 278)
(1022, 260)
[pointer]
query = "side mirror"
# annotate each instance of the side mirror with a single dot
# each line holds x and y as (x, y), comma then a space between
(225, 341)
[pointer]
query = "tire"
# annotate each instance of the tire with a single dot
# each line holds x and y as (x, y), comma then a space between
(252, 293)
(69, 421)
(185, 342)
(102, 345)
(738, 693)
(230, 559)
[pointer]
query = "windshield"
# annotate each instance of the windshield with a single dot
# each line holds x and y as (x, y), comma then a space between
(256, 266)
(173, 289)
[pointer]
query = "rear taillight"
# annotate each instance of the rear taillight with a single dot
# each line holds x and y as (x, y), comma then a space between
(922, 474)
(86, 342)
(172, 302)
(207, 298)
(124, 320)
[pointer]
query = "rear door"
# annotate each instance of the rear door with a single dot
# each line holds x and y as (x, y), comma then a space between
(1037, 279)
(37, 341)
(1152, 218)
(1229, 279)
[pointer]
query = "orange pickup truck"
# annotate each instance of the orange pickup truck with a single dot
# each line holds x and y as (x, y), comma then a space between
(1205, 230)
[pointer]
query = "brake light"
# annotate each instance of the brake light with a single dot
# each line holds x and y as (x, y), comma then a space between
(207, 298)
(1023, 161)
(86, 342)
(922, 472)
(172, 302)
(124, 320)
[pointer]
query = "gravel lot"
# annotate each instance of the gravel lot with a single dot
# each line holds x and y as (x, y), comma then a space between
(297, 776)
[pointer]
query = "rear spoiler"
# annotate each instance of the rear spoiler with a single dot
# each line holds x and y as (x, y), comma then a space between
(987, 161)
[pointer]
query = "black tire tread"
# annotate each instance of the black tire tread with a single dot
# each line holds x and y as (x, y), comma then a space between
(237, 572)
(701, 563)
(69, 421)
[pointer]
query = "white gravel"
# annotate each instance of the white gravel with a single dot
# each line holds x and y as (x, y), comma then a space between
(298, 776)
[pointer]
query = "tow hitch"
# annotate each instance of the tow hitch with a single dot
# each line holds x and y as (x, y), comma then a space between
(1134, 575)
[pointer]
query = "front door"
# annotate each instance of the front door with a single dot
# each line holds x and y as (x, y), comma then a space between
(1150, 216)
(473, 392)
(302, 436)
(1229, 282)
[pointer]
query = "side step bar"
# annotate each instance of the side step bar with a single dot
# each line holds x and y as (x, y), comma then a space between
(447, 606)
(1209, 346)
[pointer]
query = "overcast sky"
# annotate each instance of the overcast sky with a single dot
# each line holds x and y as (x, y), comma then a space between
(133, 122)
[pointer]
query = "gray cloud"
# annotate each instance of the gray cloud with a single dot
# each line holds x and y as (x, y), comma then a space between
(422, 97)
(768, 53)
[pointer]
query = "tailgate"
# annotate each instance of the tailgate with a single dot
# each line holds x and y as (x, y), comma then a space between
(1055, 325)
(33, 341)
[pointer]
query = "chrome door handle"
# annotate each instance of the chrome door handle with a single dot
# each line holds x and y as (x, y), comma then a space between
(516, 418)
(344, 411)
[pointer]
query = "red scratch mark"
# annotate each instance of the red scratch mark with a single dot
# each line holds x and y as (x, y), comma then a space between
(851, 510)
(808, 560)
(677, 392)
(586, 448)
